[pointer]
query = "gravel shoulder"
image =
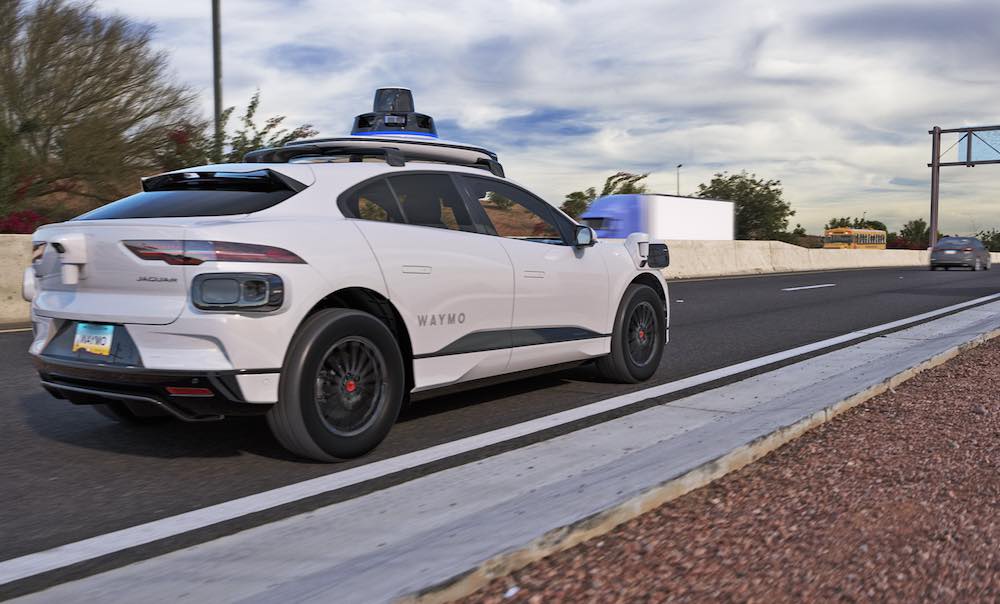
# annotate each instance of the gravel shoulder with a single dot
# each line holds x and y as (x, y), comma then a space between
(896, 500)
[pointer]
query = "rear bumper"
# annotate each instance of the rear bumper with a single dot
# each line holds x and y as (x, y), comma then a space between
(218, 392)
(953, 262)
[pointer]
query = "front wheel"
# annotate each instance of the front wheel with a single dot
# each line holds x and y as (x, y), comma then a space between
(341, 386)
(638, 337)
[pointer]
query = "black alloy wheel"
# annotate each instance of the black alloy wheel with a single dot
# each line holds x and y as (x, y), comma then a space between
(642, 334)
(638, 337)
(342, 385)
(350, 385)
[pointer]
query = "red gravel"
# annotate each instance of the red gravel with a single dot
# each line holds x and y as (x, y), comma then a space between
(897, 500)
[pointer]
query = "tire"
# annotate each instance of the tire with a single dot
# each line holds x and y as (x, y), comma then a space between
(933, 268)
(639, 321)
(123, 414)
(354, 359)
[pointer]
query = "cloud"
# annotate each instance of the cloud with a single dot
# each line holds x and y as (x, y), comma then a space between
(833, 99)
(908, 182)
(305, 58)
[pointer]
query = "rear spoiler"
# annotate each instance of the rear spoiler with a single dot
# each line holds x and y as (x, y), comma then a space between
(215, 180)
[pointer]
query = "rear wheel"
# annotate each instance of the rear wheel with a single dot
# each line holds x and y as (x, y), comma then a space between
(341, 386)
(638, 337)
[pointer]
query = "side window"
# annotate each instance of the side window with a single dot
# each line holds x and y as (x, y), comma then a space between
(372, 202)
(431, 200)
(512, 213)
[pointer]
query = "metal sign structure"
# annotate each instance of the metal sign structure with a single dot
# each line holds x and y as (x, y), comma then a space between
(974, 142)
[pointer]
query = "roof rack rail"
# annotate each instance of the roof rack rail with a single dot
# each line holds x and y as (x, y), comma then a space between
(395, 155)
(280, 155)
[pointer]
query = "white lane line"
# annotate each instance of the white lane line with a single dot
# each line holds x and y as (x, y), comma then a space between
(94, 547)
(795, 289)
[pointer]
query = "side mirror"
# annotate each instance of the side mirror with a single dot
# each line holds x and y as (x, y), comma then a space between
(658, 256)
(584, 236)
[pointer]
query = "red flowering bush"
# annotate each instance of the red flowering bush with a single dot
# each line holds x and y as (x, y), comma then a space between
(24, 221)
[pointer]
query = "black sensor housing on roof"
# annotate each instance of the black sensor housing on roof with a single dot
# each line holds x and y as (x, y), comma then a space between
(393, 113)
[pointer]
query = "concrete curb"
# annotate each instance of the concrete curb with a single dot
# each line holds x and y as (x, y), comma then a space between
(566, 537)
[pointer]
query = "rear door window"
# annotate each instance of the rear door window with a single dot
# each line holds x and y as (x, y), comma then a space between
(201, 194)
(431, 200)
(372, 202)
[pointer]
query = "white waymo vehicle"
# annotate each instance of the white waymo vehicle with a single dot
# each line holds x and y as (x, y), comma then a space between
(323, 282)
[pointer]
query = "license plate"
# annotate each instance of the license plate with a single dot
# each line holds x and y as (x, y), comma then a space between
(95, 339)
(950, 252)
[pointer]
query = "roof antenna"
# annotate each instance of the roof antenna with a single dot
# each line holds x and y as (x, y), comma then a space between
(393, 113)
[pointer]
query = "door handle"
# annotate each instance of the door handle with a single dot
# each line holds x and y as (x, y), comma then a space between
(534, 274)
(413, 269)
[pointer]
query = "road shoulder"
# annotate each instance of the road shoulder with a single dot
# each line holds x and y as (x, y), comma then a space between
(448, 533)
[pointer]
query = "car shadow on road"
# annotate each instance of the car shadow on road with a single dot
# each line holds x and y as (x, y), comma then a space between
(82, 426)
(424, 423)
(579, 379)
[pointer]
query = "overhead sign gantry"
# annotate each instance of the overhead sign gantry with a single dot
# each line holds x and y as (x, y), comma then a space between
(975, 143)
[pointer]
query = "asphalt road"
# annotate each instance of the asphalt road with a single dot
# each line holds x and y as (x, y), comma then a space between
(69, 473)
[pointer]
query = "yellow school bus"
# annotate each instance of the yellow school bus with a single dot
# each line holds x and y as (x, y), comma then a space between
(854, 239)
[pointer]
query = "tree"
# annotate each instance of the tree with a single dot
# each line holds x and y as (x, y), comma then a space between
(85, 102)
(249, 137)
(619, 183)
(855, 223)
(761, 213)
(191, 144)
(577, 202)
(990, 238)
(839, 223)
(916, 233)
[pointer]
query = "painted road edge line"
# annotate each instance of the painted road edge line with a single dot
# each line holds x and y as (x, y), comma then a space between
(565, 537)
(62, 556)
(795, 289)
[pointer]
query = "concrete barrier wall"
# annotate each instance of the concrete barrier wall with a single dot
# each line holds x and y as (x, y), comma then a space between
(15, 256)
(688, 259)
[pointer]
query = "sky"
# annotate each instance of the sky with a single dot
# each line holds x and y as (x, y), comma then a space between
(834, 99)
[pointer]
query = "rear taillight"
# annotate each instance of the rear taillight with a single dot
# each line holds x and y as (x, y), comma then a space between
(966, 249)
(177, 252)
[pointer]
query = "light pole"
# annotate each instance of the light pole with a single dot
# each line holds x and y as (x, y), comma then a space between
(679, 166)
(217, 81)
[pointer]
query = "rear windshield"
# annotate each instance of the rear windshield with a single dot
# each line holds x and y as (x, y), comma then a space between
(953, 243)
(201, 194)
